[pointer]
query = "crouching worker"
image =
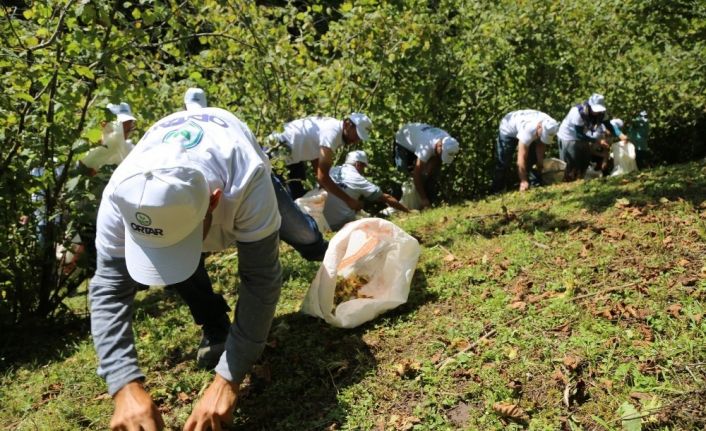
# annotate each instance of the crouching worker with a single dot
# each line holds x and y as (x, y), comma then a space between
(194, 183)
(530, 132)
(350, 177)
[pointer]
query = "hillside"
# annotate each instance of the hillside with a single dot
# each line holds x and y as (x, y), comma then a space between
(577, 306)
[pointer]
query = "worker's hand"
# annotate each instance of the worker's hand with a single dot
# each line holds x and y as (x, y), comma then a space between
(134, 410)
(24, 219)
(623, 137)
(215, 408)
(354, 204)
(524, 186)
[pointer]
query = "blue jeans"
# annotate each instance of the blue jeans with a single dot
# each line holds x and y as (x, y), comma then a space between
(577, 155)
(504, 152)
(298, 228)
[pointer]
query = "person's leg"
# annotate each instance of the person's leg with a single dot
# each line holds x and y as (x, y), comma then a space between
(504, 150)
(260, 284)
(534, 175)
(298, 228)
(567, 154)
(209, 310)
(582, 157)
(295, 182)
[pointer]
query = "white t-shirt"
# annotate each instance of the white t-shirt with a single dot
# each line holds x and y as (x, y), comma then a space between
(232, 161)
(567, 129)
(420, 138)
(113, 149)
(522, 125)
(348, 178)
(305, 136)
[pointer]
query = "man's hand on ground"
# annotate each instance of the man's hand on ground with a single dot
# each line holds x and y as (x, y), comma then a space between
(134, 410)
(524, 186)
(215, 408)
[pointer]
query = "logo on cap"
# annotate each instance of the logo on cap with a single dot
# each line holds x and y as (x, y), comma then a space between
(143, 219)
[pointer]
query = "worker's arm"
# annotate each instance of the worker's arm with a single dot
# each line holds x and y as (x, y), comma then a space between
(322, 167)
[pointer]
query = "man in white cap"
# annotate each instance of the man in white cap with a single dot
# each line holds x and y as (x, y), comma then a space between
(529, 131)
(351, 178)
(195, 98)
(315, 140)
(581, 127)
(116, 143)
(421, 149)
(208, 308)
(193, 184)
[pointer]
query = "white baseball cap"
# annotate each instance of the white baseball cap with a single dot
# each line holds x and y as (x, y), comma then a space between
(195, 98)
(362, 125)
(356, 156)
(550, 127)
(617, 122)
(122, 110)
(449, 148)
(597, 102)
(162, 200)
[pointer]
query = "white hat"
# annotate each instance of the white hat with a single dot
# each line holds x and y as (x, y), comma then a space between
(597, 103)
(362, 125)
(449, 148)
(617, 122)
(162, 203)
(550, 127)
(356, 156)
(643, 114)
(195, 98)
(122, 110)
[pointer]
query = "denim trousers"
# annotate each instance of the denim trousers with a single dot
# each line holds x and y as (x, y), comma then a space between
(504, 151)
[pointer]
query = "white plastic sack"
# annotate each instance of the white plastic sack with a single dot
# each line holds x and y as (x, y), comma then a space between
(372, 248)
(624, 158)
(410, 197)
(553, 171)
(313, 203)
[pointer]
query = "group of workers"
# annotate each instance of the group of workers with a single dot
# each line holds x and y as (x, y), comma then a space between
(198, 181)
(583, 138)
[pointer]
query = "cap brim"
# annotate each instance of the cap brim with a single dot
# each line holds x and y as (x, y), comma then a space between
(125, 117)
(362, 133)
(598, 108)
(447, 158)
(166, 265)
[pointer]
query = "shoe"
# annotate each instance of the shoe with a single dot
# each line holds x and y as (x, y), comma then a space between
(209, 353)
(213, 344)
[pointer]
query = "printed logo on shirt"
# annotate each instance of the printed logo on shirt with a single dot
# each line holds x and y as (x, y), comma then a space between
(188, 136)
(143, 219)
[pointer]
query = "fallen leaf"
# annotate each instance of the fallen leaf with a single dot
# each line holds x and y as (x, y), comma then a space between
(183, 397)
(449, 258)
(640, 396)
(674, 310)
(559, 377)
(682, 262)
(518, 305)
(622, 202)
(407, 367)
(571, 362)
(460, 344)
(511, 411)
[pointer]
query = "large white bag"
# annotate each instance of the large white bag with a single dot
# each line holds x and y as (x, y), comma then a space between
(553, 171)
(313, 203)
(410, 196)
(375, 250)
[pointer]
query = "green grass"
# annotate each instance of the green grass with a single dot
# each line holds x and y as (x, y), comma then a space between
(591, 289)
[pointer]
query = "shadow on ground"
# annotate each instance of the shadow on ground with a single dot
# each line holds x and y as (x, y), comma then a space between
(307, 364)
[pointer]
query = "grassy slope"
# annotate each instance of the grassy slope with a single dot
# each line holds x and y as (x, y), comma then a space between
(588, 293)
